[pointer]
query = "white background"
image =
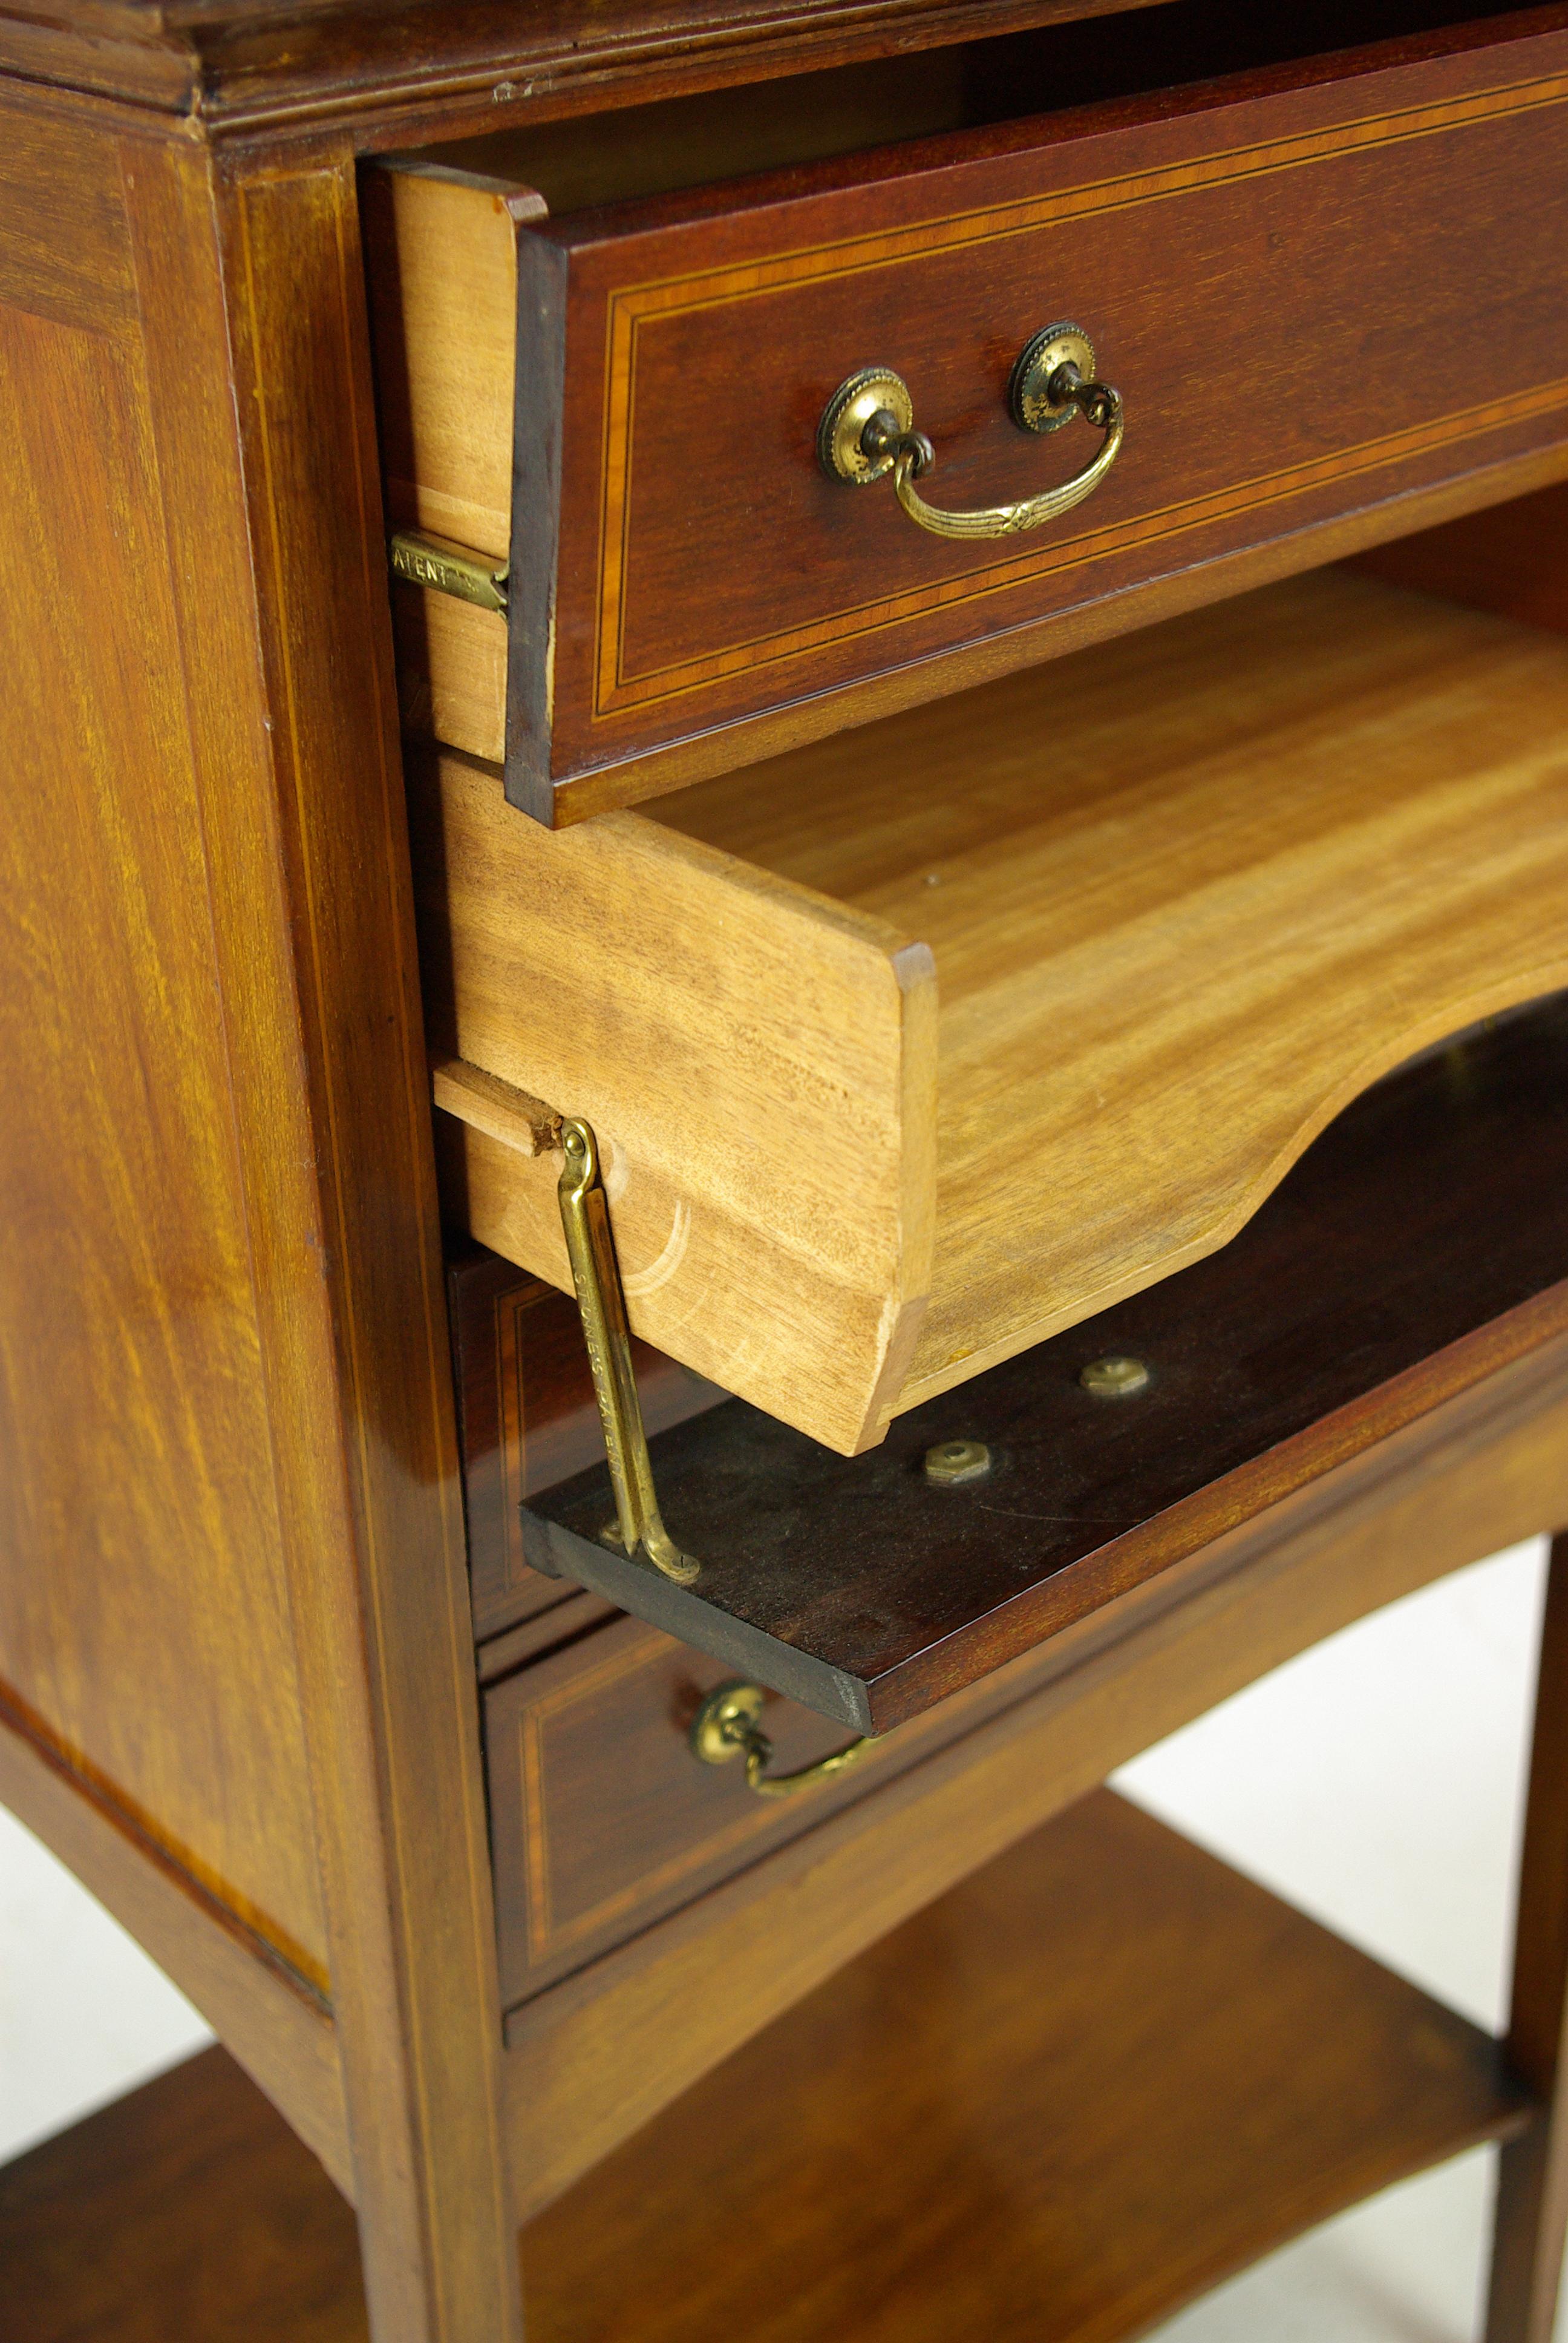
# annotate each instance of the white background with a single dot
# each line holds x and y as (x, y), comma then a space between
(1374, 1780)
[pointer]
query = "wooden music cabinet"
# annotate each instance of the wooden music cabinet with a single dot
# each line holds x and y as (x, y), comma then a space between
(828, 741)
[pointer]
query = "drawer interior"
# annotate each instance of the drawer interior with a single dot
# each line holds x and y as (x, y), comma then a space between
(918, 1045)
(715, 134)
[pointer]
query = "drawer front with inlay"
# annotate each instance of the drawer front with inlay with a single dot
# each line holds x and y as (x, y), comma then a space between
(1315, 291)
(602, 1816)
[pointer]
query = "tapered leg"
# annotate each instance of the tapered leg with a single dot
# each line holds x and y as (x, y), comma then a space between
(1533, 2178)
(254, 344)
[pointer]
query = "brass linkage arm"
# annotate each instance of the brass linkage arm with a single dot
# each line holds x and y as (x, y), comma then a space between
(590, 1248)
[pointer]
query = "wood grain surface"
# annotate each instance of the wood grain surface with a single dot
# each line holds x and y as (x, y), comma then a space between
(1507, 558)
(440, 242)
(451, 670)
(208, 2219)
(1209, 2072)
(271, 2022)
(1159, 224)
(228, 415)
(1205, 2074)
(441, 252)
(380, 76)
(602, 1821)
(453, 667)
(363, 1429)
(146, 1635)
(231, 1520)
(1186, 894)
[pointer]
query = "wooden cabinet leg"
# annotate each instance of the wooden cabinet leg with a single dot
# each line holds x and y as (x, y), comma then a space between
(1532, 2176)
(255, 347)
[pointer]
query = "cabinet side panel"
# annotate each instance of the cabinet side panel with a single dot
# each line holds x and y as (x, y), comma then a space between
(144, 1627)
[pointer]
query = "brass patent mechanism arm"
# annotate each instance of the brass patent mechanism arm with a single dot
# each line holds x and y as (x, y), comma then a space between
(868, 429)
(590, 1248)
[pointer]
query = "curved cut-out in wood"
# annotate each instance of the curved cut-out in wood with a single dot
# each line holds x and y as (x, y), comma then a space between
(1186, 895)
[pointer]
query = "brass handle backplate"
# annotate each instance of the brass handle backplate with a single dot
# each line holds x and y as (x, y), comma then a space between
(868, 429)
(729, 1724)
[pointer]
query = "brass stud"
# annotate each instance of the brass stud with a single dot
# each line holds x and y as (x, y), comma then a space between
(952, 1463)
(1115, 1378)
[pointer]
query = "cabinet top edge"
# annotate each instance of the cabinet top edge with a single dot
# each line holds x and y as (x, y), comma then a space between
(416, 71)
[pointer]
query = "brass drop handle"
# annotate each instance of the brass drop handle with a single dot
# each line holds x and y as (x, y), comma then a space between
(729, 1724)
(868, 429)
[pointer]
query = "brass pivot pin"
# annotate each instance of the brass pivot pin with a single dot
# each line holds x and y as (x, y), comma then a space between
(585, 1216)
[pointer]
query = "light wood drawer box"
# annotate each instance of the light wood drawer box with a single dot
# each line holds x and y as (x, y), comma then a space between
(1326, 292)
(937, 1036)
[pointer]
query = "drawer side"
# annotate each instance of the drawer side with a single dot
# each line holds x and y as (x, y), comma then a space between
(759, 1064)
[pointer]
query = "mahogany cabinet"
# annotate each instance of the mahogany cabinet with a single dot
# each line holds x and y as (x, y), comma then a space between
(1070, 1036)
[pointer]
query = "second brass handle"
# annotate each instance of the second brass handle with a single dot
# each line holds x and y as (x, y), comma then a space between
(727, 1725)
(868, 429)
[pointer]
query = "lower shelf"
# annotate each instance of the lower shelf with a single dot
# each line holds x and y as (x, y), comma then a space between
(1100, 2075)
(1088, 2083)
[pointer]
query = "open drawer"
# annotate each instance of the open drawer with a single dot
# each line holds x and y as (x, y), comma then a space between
(1328, 293)
(1401, 1292)
(936, 1037)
